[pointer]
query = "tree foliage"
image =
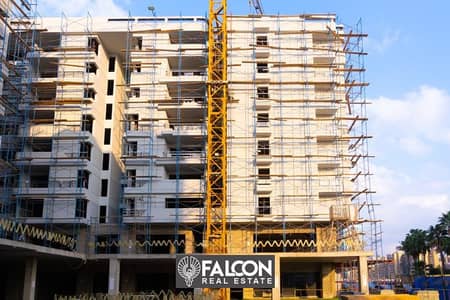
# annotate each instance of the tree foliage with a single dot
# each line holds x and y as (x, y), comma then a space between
(418, 241)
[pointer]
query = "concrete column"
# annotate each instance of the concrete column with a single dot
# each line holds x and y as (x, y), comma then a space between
(29, 284)
(328, 280)
(363, 275)
(114, 276)
(189, 244)
(276, 291)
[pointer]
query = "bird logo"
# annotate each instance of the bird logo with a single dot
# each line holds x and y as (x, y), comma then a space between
(188, 268)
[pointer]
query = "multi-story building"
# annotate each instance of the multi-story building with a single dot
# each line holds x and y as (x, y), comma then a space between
(111, 154)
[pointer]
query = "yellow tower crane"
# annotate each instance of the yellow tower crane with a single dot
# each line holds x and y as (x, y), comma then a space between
(217, 90)
(216, 174)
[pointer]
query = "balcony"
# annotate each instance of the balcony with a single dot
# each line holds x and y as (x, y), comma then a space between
(181, 157)
(190, 110)
(167, 186)
(67, 187)
(263, 104)
(263, 129)
(263, 186)
(39, 130)
(188, 134)
(54, 130)
(262, 52)
(31, 155)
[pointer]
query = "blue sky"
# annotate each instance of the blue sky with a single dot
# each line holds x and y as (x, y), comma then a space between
(408, 69)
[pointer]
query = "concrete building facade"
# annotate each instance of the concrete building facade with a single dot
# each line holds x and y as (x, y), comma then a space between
(113, 144)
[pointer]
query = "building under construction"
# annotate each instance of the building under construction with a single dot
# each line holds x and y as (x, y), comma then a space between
(104, 152)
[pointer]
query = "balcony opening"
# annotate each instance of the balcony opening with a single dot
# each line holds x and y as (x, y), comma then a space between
(136, 67)
(43, 116)
(87, 123)
(184, 202)
(41, 144)
(132, 122)
(262, 67)
(44, 94)
(131, 149)
(131, 178)
(89, 93)
(136, 43)
(49, 41)
(261, 40)
(91, 67)
(262, 92)
(93, 44)
(262, 119)
(83, 179)
(45, 67)
(39, 176)
(263, 147)
(264, 173)
(32, 208)
(85, 150)
(81, 208)
(264, 206)
(136, 92)
(130, 207)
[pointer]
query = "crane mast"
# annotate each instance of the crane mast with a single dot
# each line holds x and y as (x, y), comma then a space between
(217, 91)
(216, 164)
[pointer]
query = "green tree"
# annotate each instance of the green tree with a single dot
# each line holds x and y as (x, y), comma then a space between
(438, 238)
(444, 224)
(415, 244)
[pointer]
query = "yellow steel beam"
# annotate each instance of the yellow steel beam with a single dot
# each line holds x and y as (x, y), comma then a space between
(216, 185)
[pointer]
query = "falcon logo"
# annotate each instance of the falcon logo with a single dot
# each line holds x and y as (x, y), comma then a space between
(188, 268)
(224, 271)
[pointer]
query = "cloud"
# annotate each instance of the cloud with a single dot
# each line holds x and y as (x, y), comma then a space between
(407, 202)
(414, 146)
(381, 45)
(411, 144)
(436, 202)
(413, 121)
(78, 8)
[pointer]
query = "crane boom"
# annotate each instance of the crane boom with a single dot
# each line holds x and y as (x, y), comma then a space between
(217, 90)
(257, 5)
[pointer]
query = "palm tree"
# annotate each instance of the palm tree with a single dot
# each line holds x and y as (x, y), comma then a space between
(444, 223)
(439, 238)
(443, 244)
(415, 244)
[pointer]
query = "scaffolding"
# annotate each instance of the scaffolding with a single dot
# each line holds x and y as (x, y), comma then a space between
(18, 22)
(296, 134)
(53, 98)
